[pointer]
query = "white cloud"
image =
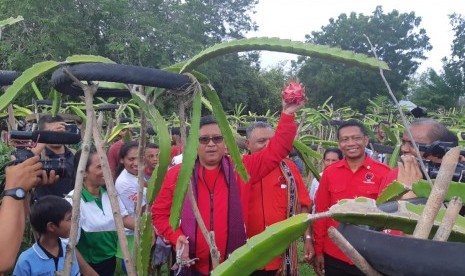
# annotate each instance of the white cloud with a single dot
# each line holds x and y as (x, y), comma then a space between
(293, 19)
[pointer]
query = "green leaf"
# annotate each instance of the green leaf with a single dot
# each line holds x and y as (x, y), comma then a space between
(87, 58)
(231, 144)
(188, 162)
(363, 211)
(78, 112)
(176, 68)
(56, 102)
(207, 104)
(24, 80)
(306, 152)
(11, 21)
(164, 143)
(21, 109)
(37, 70)
(394, 158)
(145, 245)
(36, 91)
(262, 248)
(117, 129)
(423, 189)
(286, 46)
(392, 192)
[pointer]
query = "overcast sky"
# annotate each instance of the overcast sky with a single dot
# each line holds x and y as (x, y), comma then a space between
(293, 19)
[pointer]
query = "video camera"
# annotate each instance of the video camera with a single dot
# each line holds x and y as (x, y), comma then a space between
(439, 149)
(24, 141)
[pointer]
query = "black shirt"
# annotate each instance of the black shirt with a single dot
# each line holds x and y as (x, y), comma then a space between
(65, 183)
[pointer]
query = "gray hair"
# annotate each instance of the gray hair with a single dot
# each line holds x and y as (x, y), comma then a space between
(254, 125)
(438, 131)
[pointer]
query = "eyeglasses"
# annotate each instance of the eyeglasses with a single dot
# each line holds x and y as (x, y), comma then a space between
(206, 140)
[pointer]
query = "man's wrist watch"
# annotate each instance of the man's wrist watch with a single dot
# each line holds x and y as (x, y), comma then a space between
(16, 193)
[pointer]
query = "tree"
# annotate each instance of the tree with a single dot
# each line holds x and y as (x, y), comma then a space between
(151, 33)
(398, 39)
(443, 90)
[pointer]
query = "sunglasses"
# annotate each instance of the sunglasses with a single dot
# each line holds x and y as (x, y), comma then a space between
(205, 140)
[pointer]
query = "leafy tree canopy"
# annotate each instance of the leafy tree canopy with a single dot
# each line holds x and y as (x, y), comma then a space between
(443, 90)
(398, 39)
(151, 33)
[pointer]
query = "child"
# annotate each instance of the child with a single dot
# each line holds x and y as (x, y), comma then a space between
(51, 218)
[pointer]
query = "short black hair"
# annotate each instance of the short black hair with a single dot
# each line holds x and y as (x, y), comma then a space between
(207, 120)
(336, 151)
(352, 123)
(152, 146)
(47, 119)
(50, 208)
(177, 130)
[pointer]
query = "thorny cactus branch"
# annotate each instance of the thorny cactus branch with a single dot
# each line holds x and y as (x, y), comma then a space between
(443, 232)
(402, 115)
(438, 193)
(351, 252)
(209, 236)
(140, 178)
(89, 91)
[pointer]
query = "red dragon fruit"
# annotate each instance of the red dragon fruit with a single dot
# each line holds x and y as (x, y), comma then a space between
(294, 93)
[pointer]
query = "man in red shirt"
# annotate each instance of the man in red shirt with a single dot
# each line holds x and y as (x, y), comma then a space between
(219, 191)
(269, 201)
(150, 159)
(355, 175)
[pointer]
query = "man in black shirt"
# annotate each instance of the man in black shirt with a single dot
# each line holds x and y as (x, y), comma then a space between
(53, 151)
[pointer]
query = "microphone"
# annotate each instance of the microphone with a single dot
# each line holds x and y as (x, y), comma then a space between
(47, 136)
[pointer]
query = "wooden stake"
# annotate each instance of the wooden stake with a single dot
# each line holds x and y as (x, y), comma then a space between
(351, 252)
(438, 193)
(449, 219)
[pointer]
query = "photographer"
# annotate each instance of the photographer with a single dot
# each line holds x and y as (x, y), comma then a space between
(52, 151)
(424, 131)
(20, 179)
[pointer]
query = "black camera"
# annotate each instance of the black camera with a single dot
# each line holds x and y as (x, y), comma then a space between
(72, 128)
(56, 164)
(433, 169)
(23, 141)
(439, 149)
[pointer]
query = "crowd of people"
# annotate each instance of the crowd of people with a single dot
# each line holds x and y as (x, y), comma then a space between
(233, 209)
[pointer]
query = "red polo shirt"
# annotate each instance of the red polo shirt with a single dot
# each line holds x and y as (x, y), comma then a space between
(339, 182)
(388, 179)
(258, 165)
(269, 201)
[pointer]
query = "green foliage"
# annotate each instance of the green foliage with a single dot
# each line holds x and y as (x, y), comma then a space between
(188, 163)
(392, 192)
(423, 189)
(231, 144)
(363, 211)
(306, 153)
(399, 41)
(10, 21)
(144, 251)
(262, 248)
(164, 143)
(283, 45)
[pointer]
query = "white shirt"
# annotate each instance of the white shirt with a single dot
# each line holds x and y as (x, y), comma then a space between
(126, 186)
